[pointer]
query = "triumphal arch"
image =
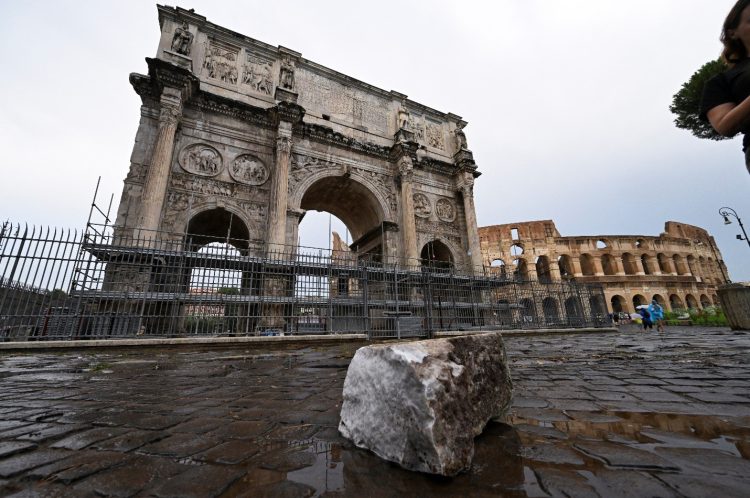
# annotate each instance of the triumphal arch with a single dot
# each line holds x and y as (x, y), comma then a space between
(239, 138)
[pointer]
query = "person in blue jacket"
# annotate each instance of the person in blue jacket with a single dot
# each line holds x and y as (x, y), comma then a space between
(657, 315)
(646, 319)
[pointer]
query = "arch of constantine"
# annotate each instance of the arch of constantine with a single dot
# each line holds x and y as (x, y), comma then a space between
(238, 139)
(681, 268)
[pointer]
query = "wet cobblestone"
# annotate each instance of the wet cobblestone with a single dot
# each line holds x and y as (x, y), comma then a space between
(610, 414)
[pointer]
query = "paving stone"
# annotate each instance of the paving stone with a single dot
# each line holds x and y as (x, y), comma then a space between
(563, 484)
(524, 402)
(287, 461)
(50, 432)
(718, 397)
(551, 453)
(9, 448)
(180, 445)
(139, 473)
(199, 425)
(25, 429)
(230, 453)
(201, 482)
(707, 460)
(91, 436)
(78, 465)
(129, 441)
(546, 432)
(242, 430)
(283, 489)
(703, 486)
(630, 484)
(17, 464)
(620, 455)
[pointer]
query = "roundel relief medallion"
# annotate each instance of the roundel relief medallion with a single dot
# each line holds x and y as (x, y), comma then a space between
(445, 210)
(201, 159)
(422, 207)
(249, 170)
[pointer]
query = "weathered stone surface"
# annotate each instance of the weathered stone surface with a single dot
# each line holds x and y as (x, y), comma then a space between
(420, 404)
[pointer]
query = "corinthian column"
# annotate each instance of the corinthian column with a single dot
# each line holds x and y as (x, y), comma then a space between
(157, 176)
(408, 223)
(467, 190)
(277, 215)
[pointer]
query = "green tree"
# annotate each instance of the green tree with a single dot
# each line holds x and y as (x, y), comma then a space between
(686, 103)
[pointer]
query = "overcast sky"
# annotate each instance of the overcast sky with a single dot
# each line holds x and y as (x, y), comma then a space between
(567, 102)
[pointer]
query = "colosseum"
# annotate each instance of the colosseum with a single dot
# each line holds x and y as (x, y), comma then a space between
(681, 268)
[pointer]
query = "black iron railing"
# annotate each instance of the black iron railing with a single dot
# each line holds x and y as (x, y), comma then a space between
(105, 283)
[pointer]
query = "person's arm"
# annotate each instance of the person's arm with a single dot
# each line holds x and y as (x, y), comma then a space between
(728, 119)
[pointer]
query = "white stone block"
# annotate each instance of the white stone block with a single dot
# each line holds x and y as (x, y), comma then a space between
(420, 404)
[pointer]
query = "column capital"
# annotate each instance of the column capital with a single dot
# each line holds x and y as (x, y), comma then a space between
(465, 183)
(288, 112)
(164, 75)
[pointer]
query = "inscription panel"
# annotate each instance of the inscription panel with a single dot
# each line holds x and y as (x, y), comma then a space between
(323, 95)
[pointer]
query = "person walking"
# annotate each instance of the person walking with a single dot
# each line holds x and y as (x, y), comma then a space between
(657, 315)
(726, 96)
(646, 319)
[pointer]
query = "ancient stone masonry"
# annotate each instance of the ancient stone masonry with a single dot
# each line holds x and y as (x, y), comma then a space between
(681, 268)
(228, 121)
(238, 139)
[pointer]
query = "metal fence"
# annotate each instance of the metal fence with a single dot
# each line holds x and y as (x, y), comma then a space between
(67, 284)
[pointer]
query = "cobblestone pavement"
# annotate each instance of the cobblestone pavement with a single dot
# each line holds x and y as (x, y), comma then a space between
(608, 414)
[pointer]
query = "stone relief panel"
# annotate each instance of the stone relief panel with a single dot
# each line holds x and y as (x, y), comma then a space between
(249, 170)
(220, 62)
(422, 206)
(445, 210)
(201, 159)
(211, 186)
(257, 74)
(416, 126)
(434, 134)
(326, 96)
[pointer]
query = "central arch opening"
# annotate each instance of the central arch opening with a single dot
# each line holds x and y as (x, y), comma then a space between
(357, 208)
(435, 254)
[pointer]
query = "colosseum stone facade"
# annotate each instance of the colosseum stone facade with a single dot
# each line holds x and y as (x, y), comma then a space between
(681, 268)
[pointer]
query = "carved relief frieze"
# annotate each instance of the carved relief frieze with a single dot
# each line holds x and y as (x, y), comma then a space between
(257, 73)
(201, 159)
(422, 206)
(249, 170)
(434, 134)
(210, 186)
(445, 210)
(448, 230)
(220, 62)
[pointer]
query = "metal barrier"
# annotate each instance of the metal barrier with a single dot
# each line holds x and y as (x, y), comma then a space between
(67, 284)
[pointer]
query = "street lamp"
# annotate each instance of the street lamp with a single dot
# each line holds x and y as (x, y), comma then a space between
(726, 212)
